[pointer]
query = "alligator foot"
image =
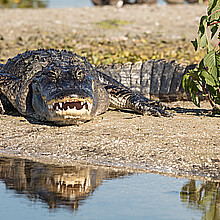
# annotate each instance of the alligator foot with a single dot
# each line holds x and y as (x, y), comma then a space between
(145, 106)
(156, 108)
(123, 98)
(155, 111)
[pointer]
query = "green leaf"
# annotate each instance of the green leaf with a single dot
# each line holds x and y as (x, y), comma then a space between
(214, 5)
(207, 78)
(195, 99)
(185, 82)
(195, 44)
(191, 86)
(210, 62)
(214, 94)
(202, 39)
(203, 23)
(210, 47)
(201, 65)
(193, 93)
(214, 30)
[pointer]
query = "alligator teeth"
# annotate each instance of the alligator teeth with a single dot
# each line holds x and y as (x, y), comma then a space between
(89, 106)
(70, 116)
(71, 107)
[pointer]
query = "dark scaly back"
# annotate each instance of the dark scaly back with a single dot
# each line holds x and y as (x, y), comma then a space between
(24, 65)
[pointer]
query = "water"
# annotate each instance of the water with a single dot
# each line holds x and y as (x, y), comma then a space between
(31, 190)
(50, 3)
(69, 3)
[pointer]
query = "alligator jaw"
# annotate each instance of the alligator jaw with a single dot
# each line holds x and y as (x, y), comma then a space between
(68, 105)
(67, 110)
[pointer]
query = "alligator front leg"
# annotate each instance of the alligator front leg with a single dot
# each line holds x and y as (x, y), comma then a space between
(123, 98)
(2, 110)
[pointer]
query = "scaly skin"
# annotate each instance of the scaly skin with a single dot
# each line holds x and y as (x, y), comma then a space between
(64, 88)
(155, 79)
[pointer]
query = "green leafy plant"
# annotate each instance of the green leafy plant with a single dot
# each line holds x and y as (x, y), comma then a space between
(205, 78)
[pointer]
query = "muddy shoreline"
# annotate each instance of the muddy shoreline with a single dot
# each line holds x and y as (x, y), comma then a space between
(185, 145)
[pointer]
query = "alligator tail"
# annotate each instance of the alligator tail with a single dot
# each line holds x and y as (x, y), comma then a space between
(155, 79)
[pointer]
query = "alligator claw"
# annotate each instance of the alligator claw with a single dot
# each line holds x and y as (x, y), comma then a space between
(155, 111)
(2, 110)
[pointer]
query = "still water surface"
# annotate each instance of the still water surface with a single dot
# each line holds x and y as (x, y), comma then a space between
(31, 190)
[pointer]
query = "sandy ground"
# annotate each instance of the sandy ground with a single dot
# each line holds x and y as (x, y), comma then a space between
(187, 144)
(169, 22)
(28, 29)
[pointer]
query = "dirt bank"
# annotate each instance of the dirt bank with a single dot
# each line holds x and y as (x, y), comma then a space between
(170, 22)
(186, 144)
(104, 34)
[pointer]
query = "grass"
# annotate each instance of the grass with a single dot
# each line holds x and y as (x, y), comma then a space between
(114, 23)
(102, 50)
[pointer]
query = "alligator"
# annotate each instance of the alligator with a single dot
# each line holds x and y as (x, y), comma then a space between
(120, 3)
(64, 88)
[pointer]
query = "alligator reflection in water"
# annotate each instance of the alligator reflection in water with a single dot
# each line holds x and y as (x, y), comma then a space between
(57, 186)
(204, 196)
(68, 187)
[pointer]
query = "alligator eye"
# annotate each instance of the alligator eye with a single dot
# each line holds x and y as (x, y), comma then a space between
(38, 74)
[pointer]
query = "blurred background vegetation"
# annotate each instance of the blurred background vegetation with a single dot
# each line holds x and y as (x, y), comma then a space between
(98, 49)
(23, 3)
(45, 3)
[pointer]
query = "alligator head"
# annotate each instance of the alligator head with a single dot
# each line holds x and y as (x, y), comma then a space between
(66, 95)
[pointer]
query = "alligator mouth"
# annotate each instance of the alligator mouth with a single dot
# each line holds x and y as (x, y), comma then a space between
(70, 107)
(77, 105)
